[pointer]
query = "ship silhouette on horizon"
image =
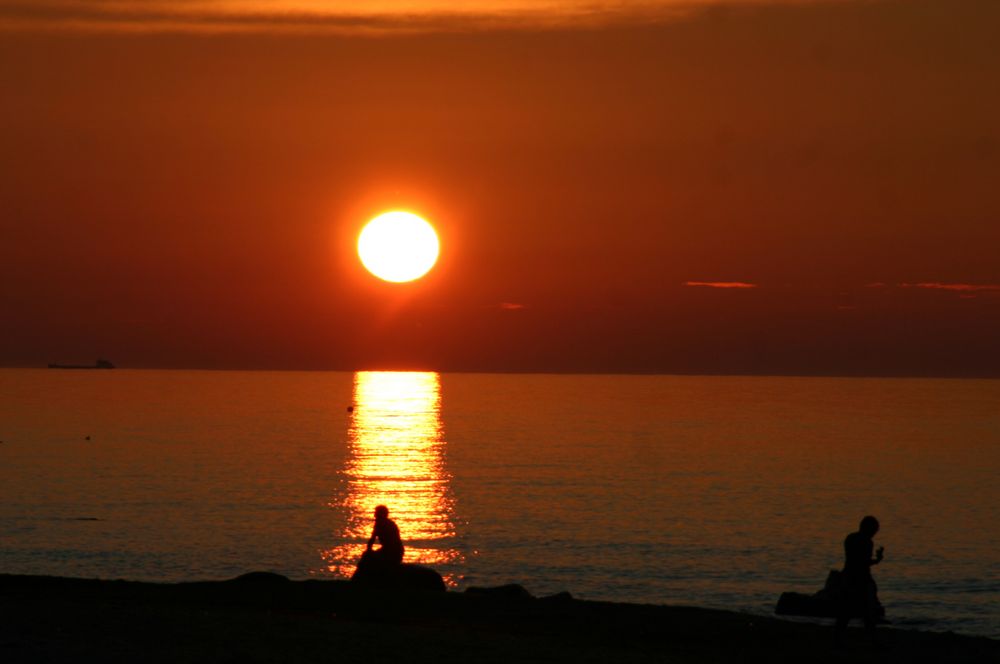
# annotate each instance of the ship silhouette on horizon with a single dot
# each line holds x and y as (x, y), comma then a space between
(99, 364)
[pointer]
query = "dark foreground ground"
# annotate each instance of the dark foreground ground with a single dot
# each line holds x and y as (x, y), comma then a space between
(263, 618)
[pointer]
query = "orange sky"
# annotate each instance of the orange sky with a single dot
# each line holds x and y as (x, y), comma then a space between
(181, 197)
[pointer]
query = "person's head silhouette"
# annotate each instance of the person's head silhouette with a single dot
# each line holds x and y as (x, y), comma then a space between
(382, 512)
(869, 526)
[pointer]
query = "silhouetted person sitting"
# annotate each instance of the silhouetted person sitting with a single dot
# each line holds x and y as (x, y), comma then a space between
(390, 553)
(860, 594)
(384, 567)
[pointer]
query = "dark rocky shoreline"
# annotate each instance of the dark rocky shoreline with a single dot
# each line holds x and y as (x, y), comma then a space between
(266, 618)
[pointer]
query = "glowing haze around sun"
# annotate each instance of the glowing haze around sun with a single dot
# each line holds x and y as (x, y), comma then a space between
(398, 246)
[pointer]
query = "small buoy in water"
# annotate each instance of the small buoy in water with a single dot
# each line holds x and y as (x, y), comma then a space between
(87, 438)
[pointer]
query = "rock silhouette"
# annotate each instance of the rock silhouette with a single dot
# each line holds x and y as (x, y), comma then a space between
(404, 576)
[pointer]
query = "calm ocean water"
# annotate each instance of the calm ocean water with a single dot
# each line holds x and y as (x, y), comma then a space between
(713, 491)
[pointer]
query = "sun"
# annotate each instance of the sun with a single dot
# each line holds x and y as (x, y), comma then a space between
(398, 246)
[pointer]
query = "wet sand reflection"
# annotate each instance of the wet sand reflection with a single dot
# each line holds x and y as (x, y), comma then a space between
(396, 458)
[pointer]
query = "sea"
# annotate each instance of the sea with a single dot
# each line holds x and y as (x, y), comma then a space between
(709, 491)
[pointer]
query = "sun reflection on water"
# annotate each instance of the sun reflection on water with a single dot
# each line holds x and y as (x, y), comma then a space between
(396, 458)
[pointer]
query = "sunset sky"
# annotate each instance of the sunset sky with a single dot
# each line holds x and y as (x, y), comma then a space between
(729, 187)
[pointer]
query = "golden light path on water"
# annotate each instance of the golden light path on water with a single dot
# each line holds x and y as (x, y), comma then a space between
(396, 458)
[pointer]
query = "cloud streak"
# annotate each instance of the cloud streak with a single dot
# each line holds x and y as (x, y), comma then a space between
(387, 16)
(958, 288)
(963, 290)
(720, 284)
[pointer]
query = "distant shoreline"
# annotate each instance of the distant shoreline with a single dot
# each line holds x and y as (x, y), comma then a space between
(265, 617)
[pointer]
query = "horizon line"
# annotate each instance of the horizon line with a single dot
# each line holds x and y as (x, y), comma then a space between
(555, 372)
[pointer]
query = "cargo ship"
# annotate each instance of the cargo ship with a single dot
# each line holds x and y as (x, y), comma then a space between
(99, 364)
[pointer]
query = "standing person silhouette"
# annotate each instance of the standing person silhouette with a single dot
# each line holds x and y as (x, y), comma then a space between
(860, 594)
(387, 533)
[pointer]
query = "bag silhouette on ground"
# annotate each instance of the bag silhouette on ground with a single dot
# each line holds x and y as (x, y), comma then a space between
(825, 603)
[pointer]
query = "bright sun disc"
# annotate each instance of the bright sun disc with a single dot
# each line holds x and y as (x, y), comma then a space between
(398, 247)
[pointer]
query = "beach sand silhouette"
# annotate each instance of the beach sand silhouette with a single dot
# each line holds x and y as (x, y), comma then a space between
(265, 617)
